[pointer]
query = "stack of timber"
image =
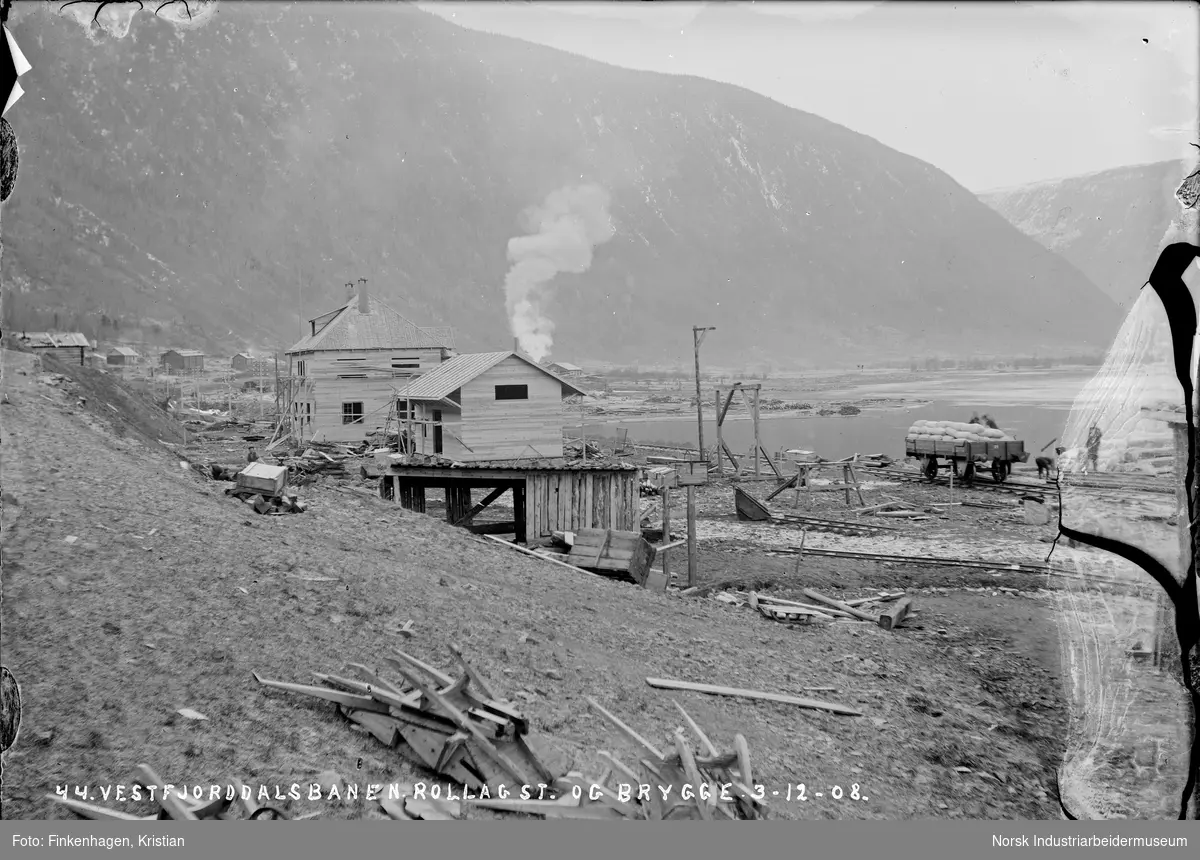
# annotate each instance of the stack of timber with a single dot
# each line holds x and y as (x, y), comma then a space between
(177, 806)
(892, 609)
(457, 728)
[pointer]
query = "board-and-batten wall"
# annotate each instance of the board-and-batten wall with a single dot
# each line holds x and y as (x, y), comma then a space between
(573, 500)
(324, 387)
(512, 429)
(65, 354)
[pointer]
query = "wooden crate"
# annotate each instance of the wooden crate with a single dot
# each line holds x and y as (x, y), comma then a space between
(608, 549)
(264, 479)
(662, 477)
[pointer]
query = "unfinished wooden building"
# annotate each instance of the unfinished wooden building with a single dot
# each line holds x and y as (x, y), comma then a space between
(546, 499)
(343, 376)
(488, 406)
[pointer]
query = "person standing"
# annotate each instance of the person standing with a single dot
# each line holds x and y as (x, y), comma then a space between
(1093, 447)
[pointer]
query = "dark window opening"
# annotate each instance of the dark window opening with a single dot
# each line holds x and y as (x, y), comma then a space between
(352, 376)
(512, 392)
(352, 413)
(437, 431)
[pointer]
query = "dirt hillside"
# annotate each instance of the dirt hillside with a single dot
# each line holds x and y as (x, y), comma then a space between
(133, 587)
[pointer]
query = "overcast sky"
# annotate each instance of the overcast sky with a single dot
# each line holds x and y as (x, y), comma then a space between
(995, 94)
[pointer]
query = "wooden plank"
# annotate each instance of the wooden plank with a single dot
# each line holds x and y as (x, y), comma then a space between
(475, 677)
(171, 803)
(365, 703)
(812, 704)
(895, 615)
(629, 733)
(837, 604)
(530, 552)
(692, 773)
(704, 741)
(96, 813)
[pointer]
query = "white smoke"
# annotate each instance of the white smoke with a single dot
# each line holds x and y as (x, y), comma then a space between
(563, 230)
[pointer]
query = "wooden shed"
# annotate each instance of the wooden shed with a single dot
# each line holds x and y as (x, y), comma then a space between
(546, 498)
(489, 406)
(66, 346)
(122, 356)
(241, 361)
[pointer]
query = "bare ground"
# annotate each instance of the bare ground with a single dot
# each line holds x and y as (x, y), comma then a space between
(172, 594)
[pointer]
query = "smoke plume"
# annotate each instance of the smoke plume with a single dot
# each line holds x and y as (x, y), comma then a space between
(563, 231)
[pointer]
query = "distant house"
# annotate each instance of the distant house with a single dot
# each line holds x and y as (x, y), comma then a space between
(345, 372)
(182, 360)
(241, 361)
(68, 347)
(122, 356)
(565, 369)
(489, 406)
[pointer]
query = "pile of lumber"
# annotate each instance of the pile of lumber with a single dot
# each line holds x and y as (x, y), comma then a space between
(825, 609)
(457, 728)
(175, 805)
(313, 461)
(264, 503)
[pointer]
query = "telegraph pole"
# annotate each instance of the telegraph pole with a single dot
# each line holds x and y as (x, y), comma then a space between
(698, 333)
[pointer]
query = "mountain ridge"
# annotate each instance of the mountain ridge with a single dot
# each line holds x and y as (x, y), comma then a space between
(255, 160)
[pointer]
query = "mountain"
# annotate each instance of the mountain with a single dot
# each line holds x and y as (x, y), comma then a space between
(222, 183)
(1110, 225)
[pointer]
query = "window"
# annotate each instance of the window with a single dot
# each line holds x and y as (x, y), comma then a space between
(352, 376)
(402, 410)
(405, 363)
(512, 392)
(352, 413)
(299, 368)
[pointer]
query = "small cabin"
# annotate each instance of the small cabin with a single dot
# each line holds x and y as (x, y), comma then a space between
(488, 406)
(182, 360)
(67, 347)
(241, 361)
(121, 356)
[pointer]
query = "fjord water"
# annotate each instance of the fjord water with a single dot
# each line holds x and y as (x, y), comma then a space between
(1032, 405)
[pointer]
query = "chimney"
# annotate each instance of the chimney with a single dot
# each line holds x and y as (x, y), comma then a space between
(364, 305)
(517, 345)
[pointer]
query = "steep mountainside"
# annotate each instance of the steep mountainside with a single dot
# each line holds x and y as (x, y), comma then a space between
(1110, 225)
(214, 180)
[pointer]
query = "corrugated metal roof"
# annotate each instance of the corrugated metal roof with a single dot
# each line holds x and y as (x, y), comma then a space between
(382, 328)
(48, 339)
(451, 375)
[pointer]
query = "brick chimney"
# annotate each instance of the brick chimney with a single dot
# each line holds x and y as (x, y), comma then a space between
(364, 305)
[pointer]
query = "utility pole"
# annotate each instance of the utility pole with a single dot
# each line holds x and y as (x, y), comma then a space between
(698, 333)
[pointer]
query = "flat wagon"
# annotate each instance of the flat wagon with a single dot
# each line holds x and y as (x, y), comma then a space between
(965, 457)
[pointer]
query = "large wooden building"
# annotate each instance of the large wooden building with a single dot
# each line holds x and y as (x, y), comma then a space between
(344, 374)
(66, 346)
(489, 406)
(182, 360)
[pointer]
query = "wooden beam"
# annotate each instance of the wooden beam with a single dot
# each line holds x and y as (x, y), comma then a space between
(665, 684)
(895, 614)
(691, 534)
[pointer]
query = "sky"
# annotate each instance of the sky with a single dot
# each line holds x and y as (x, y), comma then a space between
(995, 94)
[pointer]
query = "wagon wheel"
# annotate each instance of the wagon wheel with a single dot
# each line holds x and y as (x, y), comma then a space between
(930, 469)
(969, 472)
(999, 470)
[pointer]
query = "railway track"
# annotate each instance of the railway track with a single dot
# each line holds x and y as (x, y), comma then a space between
(1022, 488)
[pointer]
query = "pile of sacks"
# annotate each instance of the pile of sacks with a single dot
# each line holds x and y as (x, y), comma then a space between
(956, 431)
